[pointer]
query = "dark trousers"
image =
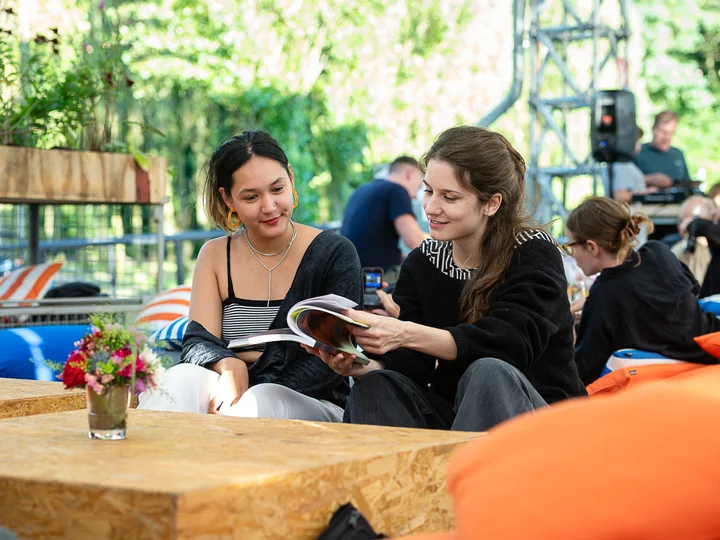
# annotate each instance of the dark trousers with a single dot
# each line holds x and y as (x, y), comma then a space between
(489, 392)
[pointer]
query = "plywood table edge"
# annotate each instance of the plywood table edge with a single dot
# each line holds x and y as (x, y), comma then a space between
(269, 478)
(256, 480)
(31, 406)
(349, 493)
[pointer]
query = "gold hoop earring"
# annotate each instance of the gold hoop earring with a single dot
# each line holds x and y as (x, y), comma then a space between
(233, 221)
(296, 199)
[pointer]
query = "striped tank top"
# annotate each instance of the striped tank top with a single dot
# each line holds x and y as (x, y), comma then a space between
(242, 317)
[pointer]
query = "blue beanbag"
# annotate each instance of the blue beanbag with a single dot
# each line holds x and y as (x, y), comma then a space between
(23, 350)
(711, 304)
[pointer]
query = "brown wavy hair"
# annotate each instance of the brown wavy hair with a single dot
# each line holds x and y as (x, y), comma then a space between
(608, 223)
(485, 163)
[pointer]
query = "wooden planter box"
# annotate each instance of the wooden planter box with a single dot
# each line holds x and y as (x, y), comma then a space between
(30, 175)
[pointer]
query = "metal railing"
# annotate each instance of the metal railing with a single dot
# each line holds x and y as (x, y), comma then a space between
(172, 251)
(46, 312)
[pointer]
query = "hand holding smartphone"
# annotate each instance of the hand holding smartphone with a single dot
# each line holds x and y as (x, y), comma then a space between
(373, 281)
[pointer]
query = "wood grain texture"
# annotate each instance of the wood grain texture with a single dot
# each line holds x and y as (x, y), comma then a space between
(184, 476)
(51, 176)
(20, 397)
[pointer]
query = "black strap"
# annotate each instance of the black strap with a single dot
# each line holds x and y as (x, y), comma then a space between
(231, 289)
(347, 523)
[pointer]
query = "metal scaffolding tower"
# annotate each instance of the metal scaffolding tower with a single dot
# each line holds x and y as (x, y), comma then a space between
(571, 43)
(553, 44)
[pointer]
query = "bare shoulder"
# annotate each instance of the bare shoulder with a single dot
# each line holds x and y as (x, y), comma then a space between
(306, 232)
(211, 253)
(306, 235)
(213, 247)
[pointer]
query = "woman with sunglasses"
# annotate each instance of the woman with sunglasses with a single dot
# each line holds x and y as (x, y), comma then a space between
(484, 330)
(643, 299)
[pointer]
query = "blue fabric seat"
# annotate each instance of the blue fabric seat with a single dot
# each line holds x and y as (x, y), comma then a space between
(23, 351)
(711, 304)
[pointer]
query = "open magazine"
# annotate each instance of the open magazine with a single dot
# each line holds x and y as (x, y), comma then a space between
(317, 322)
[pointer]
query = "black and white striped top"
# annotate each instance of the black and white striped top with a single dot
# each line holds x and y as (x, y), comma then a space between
(242, 317)
(440, 253)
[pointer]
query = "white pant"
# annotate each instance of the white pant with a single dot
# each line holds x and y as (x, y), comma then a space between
(189, 388)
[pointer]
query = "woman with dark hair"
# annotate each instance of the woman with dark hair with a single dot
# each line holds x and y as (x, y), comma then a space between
(643, 299)
(247, 283)
(484, 331)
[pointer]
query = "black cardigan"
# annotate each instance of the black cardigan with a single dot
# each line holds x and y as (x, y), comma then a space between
(528, 324)
(330, 265)
(649, 303)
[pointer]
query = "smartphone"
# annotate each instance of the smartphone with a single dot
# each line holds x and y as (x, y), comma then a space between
(372, 280)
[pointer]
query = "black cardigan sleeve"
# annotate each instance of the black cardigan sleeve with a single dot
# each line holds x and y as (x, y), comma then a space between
(201, 347)
(524, 310)
(417, 366)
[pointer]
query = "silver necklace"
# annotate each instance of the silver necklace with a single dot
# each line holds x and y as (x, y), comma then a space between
(286, 249)
(254, 249)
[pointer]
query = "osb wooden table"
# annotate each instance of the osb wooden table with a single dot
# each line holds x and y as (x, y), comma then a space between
(20, 397)
(182, 476)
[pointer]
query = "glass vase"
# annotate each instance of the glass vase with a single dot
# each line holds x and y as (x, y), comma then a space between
(107, 412)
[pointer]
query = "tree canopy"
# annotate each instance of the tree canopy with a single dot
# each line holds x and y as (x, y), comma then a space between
(342, 84)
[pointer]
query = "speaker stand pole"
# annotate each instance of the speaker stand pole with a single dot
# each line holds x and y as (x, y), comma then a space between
(611, 178)
(611, 174)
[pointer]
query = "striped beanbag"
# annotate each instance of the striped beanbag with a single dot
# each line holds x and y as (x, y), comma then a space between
(625, 358)
(170, 337)
(165, 308)
(28, 282)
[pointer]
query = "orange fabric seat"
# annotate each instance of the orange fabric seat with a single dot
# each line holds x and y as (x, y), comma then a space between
(640, 464)
(630, 376)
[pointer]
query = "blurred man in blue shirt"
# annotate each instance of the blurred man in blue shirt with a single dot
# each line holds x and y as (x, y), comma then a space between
(379, 213)
(661, 163)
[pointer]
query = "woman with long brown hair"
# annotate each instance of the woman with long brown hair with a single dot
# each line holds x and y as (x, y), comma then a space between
(643, 299)
(485, 331)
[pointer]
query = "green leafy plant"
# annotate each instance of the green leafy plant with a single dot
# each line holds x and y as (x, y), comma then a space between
(45, 104)
(28, 93)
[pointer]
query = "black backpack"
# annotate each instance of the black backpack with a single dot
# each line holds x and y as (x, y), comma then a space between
(347, 523)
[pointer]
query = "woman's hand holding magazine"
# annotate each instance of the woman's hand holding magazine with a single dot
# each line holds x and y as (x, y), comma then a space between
(379, 334)
(347, 364)
(341, 363)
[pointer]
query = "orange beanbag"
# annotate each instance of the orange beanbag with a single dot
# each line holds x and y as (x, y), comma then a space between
(710, 343)
(630, 376)
(638, 465)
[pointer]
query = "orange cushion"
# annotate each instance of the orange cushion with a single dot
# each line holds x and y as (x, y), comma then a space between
(630, 376)
(710, 343)
(640, 464)
(164, 308)
(28, 282)
(431, 536)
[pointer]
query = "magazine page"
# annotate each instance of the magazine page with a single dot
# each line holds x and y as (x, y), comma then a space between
(322, 320)
(269, 336)
(327, 331)
(331, 303)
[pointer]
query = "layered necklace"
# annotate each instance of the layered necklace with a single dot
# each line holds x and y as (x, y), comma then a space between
(284, 251)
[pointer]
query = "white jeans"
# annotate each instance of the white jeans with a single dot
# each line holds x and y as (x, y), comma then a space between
(189, 388)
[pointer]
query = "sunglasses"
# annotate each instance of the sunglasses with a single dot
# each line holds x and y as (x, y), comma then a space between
(568, 247)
